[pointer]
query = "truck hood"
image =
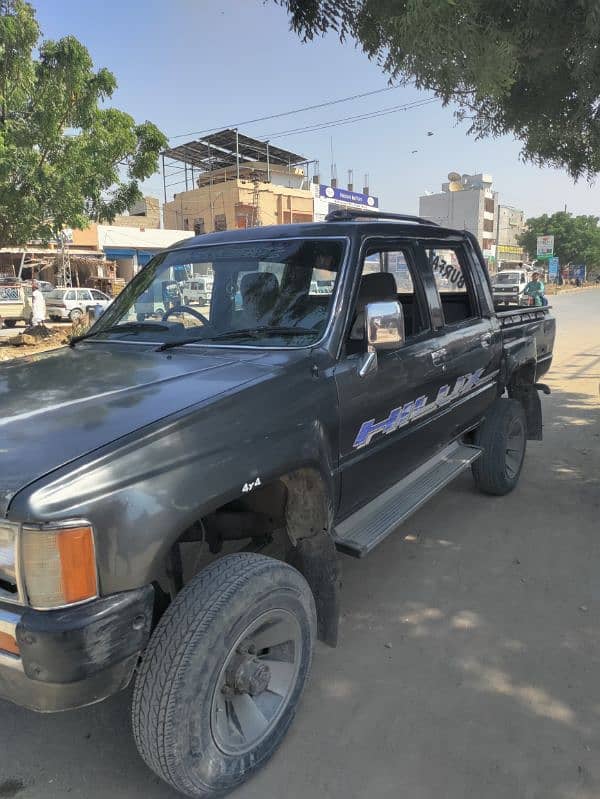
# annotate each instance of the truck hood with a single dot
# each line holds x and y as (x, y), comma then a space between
(61, 405)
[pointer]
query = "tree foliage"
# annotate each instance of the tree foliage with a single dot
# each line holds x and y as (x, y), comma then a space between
(576, 238)
(64, 158)
(530, 69)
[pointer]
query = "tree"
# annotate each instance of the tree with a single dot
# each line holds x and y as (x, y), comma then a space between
(64, 159)
(576, 238)
(530, 69)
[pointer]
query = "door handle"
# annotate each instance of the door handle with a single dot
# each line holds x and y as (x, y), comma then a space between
(486, 340)
(439, 356)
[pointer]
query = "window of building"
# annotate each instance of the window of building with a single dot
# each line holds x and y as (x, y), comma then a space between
(457, 296)
(220, 222)
(199, 226)
(186, 223)
(488, 205)
(488, 225)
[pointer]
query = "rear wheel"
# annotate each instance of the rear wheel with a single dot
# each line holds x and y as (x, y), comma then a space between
(223, 674)
(503, 439)
(10, 322)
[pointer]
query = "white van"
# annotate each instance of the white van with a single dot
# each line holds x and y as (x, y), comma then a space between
(197, 291)
(508, 287)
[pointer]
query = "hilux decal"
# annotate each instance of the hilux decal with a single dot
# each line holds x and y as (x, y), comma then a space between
(415, 409)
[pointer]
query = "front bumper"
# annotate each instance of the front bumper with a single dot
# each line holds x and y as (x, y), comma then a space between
(74, 656)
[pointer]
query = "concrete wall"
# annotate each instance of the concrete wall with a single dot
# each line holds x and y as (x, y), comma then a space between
(233, 200)
(457, 209)
(511, 223)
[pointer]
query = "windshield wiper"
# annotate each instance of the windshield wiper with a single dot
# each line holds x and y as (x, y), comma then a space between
(247, 332)
(127, 326)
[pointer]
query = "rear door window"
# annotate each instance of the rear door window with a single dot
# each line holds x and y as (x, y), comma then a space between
(452, 278)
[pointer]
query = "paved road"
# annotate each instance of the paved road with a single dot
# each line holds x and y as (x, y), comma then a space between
(490, 688)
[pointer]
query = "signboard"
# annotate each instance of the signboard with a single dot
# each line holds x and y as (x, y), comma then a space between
(545, 246)
(578, 272)
(552, 268)
(345, 196)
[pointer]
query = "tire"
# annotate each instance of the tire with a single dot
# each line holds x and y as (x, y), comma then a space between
(10, 322)
(185, 707)
(75, 315)
(503, 438)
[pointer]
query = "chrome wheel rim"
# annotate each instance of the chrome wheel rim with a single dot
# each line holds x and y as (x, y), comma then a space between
(515, 446)
(256, 682)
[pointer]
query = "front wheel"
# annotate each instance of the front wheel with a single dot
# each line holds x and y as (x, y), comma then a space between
(503, 439)
(10, 322)
(224, 671)
(75, 315)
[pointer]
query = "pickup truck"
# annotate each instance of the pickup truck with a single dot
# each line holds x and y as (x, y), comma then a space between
(175, 487)
(14, 301)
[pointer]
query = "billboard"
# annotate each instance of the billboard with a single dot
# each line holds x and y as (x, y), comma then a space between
(545, 246)
(345, 196)
(552, 268)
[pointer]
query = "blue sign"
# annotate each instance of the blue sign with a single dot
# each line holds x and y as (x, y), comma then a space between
(552, 268)
(348, 196)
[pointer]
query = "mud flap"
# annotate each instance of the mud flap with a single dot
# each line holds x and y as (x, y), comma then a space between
(317, 560)
(529, 398)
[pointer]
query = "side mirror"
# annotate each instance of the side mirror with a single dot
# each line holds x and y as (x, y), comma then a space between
(384, 323)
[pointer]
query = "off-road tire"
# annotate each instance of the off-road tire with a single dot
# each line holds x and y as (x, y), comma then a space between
(493, 471)
(183, 662)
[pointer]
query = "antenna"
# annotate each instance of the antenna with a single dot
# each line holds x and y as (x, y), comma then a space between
(333, 166)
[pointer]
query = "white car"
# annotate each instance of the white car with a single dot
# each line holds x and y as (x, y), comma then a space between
(73, 303)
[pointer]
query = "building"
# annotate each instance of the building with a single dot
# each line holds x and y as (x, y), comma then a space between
(466, 202)
(143, 213)
(510, 224)
(132, 248)
(230, 181)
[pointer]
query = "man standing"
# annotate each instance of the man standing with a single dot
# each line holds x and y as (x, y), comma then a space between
(38, 304)
(535, 289)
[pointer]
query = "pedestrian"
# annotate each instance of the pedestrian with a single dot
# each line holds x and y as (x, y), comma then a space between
(535, 289)
(38, 304)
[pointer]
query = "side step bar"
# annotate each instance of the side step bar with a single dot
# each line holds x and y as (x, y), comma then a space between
(360, 533)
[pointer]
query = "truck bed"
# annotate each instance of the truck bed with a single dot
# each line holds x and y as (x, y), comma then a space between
(540, 323)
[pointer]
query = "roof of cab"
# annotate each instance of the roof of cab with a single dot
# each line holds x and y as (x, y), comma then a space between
(334, 229)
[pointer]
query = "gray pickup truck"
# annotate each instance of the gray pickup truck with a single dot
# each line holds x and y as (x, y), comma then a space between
(176, 485)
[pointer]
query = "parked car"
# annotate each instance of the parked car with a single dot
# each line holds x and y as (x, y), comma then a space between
(44, 285)
(174, 491)
(71, 303)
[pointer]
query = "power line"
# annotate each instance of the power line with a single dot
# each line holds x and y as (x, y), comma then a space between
(348, 120)
(286, 113)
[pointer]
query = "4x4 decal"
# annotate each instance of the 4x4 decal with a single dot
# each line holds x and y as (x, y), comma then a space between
(415, 409)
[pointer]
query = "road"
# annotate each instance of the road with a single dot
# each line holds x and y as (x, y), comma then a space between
(469, 659)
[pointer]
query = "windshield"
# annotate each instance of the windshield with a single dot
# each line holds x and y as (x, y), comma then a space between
(507, 277)
(267, 293)
(56, 294)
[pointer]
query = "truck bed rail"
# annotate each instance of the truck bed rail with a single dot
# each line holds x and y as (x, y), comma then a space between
(520, 315)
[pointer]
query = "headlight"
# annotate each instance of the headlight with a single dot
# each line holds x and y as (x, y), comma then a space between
(8, 553)
(59, 565)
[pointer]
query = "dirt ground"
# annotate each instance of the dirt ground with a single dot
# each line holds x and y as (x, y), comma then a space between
(469, 659)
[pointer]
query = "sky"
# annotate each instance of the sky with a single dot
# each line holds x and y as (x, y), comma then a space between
(193, 65)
